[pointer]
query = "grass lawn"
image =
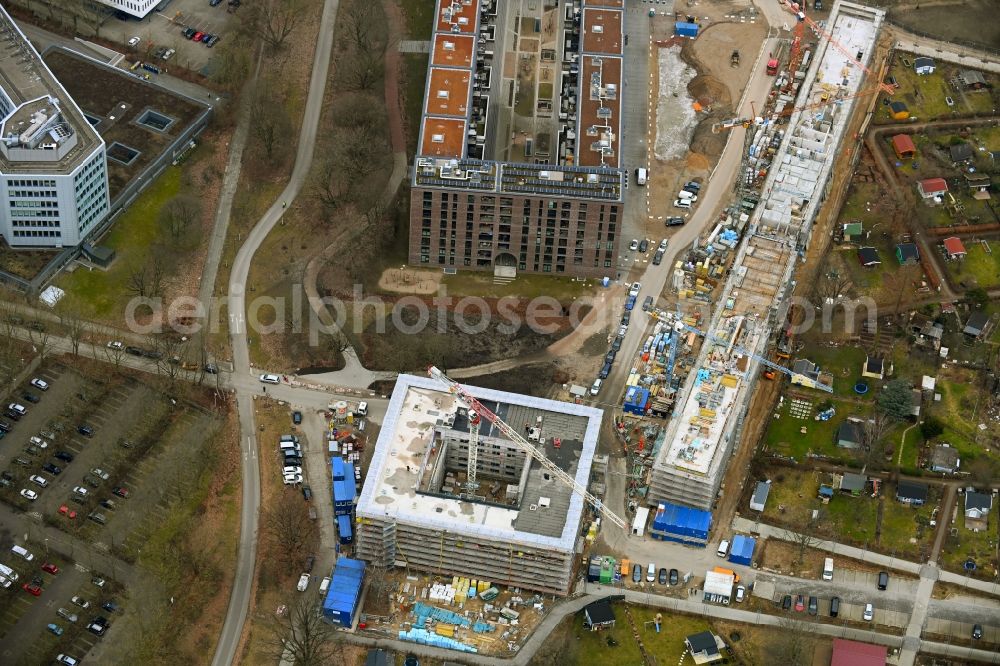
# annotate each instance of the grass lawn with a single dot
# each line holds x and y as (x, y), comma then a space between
(843, 362)
(419, 18)
(563, 289)
(100, 294)
(784, 434)
(979, 268)
(962, 544)
(906, 530)
(794, 496)
(667, 646)
(414, 81)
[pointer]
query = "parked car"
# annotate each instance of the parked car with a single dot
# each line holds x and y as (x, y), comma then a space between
(196, 37)
(297, 417)
(673, 221)
(81, 491)
(54, 628)
(643, 246)
(67, 660)
(48, 567)
(682, 203)
(303, 583)
(81, 602)
(85, 430)
(674, 577)
(662, 577)
(883, 580)
(270, 379)
(616, 344)
(91, 480)
(605, 371)
(67, 614)
(109, 504)
(29, 495)
(799, 603)
(97, 628)
(134, 41)
(741, 593)
(39, 442)
(121, 492)
(65, 456)
(98, 518)
(977, 632)
(52, 469)
(40, 384)
(307, 493)
(100, 473)
(634, 245)
(813, 605)
(786, 602)
(292, 479)
(6, 426)
(110, 606)
(636, 573)
(30, 397)
(97, 581)
(33, 589)
(188, 33)
(834, 607)
(38, 480)
(869, 613)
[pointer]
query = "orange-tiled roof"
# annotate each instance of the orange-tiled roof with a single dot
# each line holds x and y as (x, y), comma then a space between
(448, 92)
(453, 50)
(602, 31)
(605, 3)
(443, 137)
(464, 20)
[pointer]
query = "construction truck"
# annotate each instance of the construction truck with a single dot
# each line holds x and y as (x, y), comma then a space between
(774, 62)
(734, 58)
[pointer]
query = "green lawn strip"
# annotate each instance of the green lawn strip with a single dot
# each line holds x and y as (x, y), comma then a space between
(784, 433)
(667, 646)
(100, 293)
(902, 523)
(419, 16)
(526, 286)
(414, 82)
(843, 362)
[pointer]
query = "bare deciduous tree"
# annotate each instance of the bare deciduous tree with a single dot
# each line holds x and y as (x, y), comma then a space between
(274, 20)
(287, 525)
(301, 636)
(268, 120)
(146, 280)
(802, 542)
(179, 214)
(792, 644)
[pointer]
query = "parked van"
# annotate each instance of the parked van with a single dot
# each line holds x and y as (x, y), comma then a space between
(325, 585)
(596, 386)
(23, 552)
(723, 548)
(828, 569)
(363, 408)
(641, 175)
(651, 573)
(288, 446)
(8, 572)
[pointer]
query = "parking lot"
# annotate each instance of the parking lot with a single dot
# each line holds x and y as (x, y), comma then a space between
(164, 30)
(105, 458)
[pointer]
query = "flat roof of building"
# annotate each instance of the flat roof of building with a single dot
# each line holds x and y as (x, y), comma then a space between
(453, 50)
(459, 16)
(509, 72)
(416, 405)
(25, 77)
(602, 31)
(443, 137)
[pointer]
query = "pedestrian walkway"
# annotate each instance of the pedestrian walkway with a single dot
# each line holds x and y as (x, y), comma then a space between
(414, 46)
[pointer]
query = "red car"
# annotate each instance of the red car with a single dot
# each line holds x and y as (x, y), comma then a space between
(799, 603)
(121, 492)
(196, 37)
(32, 589)
(50, 568)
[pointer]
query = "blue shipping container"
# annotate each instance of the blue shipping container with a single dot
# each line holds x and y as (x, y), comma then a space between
(341, 603)
(337, 468)
(344, 529)
(742, 550)
(686, 29)
(673, 522)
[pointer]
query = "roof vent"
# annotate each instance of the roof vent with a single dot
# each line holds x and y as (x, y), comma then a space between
(437, 138)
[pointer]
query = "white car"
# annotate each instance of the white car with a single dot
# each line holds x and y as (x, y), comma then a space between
(116, 344)
(596, 386)
(303, 583)
(38, 480)
(270, 379)
(869, 613)
(634, 245)
(663, 244)
(134, 41)
(68, 660)
(682, 203)
(622, 330)
(292, 469)
(741, 594)
(100, 473)
(80, 490)
(293, 479)
(634, 289)
(30, 495)
(39, 442)
(39, 384)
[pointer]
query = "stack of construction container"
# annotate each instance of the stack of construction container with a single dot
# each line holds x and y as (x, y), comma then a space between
(344, 491)
(344, 593)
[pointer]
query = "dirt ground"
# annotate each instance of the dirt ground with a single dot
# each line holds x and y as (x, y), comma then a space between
(410, 281)
(781, 557)
(717, 87)
(970, 22)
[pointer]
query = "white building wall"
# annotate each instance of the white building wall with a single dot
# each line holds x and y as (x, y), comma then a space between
(136, 8)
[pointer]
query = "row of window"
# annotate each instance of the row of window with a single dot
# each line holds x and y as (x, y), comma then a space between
(33, 194)
(32, 183)
(29, 214)
(37, 234)
(34, 224)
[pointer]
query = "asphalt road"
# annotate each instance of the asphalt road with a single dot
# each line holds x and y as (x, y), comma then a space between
(239, 601)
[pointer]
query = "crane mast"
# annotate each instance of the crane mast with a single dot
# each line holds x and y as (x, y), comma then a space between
(470, 483)
(510, 433)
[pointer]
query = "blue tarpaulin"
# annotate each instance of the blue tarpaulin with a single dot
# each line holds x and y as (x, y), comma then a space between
(742, 550)
(673, 522)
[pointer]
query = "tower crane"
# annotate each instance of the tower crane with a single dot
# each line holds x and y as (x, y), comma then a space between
(470, 483)
(481, 410)
(801, 379)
